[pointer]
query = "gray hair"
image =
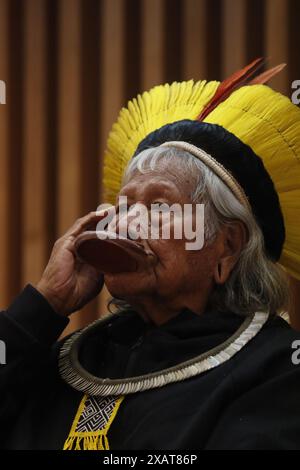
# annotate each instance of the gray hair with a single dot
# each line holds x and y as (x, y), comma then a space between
(256, 283)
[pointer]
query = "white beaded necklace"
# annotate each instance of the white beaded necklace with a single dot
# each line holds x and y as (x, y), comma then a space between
(75, 375)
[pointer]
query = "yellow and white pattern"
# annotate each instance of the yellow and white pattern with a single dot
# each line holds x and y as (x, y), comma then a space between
(92, 422)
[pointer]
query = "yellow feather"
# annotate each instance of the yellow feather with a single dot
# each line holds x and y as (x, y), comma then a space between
(260, 117)
(150, 111)
(270, 124)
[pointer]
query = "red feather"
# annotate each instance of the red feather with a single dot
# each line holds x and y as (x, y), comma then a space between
(236, 80)
(267, 75)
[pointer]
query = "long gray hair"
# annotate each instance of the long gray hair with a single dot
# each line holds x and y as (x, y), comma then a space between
(256, 283)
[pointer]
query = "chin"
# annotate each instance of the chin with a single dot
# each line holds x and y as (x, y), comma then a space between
(127, 285)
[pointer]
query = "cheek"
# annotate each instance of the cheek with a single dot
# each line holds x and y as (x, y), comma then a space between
(171, 254)
(182, 268)
(123, 285)
(201, 265)
(173, 264)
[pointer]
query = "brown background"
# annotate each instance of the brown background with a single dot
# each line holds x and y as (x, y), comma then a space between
(69, 65)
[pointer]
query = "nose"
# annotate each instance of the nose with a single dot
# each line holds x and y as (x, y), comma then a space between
(133, 224)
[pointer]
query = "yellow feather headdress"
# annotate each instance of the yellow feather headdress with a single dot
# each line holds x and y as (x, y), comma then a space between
(260, 117)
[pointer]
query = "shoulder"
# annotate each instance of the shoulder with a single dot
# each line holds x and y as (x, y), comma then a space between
(274, 352)
(277, 337)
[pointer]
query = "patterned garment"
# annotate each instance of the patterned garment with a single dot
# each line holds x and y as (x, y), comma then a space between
(92, 421)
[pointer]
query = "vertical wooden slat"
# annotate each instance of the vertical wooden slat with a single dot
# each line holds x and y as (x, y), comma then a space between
(234, 36)
(69, 136)
(52, 119)
(195, 30)
(4, 160)
(255, 26)
(89, 112)
(132, 50)
(152, 65)
(214, 13)
(89, 104)
(277, 40)
(35, 234)
(112, 66)
(15, 144)
(69, 193)
(173, 40)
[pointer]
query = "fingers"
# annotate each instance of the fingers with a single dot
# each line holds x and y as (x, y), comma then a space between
(86, 222)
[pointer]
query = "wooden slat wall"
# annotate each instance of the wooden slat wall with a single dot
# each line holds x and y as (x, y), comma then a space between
(152, 65)
(277, 31)
(234, 51)
(195, 30)
(34, 233)
(4, 161)
(70, 65)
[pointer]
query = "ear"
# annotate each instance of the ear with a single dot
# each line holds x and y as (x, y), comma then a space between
(233, 240)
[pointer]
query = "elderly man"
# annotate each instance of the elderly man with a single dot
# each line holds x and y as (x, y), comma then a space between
(195, 356)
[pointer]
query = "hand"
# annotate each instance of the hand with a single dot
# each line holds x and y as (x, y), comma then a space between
(67, 283)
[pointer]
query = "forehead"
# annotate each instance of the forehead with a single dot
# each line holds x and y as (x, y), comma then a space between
(151, 185)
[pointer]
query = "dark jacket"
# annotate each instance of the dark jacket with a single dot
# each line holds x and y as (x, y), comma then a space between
(251, 401)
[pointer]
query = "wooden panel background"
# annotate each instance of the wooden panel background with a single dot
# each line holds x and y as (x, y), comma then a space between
(69, 66)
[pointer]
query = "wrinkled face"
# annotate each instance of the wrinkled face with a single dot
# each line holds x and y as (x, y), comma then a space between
(176, 272)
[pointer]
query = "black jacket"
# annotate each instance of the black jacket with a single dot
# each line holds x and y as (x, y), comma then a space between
(251, 401)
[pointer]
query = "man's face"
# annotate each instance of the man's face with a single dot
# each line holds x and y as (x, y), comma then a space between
(176, 270)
